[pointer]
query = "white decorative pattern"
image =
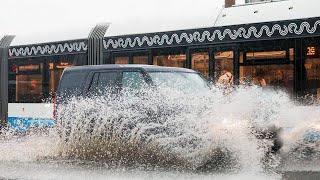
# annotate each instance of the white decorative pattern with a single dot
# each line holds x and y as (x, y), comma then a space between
(210, 36)
(48, 49)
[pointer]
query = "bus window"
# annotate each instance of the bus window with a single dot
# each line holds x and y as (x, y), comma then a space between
(170, 60)
(224, 65)
(200, 63)
(121, 60)
(278, 76)
(312, 66)
(55, 72)
(29, 88)
(29, 83)
(140, 59)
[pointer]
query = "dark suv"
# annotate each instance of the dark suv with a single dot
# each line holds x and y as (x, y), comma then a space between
(110, 80)
(83, 80)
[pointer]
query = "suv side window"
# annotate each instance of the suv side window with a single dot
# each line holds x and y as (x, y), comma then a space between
(133, 80)
(71, 84)
(94, 83)
(104, 81)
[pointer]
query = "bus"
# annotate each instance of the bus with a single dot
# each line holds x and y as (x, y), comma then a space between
(249, 41)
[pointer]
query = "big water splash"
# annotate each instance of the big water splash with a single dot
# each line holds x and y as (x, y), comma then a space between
(212, 130)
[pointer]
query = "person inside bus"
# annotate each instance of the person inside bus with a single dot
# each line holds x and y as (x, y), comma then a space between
(225, 82)
(278, 81)
(259, 78)
(226, 79)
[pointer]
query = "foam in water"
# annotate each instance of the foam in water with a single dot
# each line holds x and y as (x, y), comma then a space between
(167, 128)
(170, 128)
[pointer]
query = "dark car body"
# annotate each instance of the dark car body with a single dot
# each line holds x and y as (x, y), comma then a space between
(76, 81)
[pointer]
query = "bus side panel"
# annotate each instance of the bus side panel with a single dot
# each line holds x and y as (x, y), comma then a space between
(24, 116)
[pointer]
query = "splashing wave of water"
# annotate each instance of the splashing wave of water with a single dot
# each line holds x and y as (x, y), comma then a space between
(165, 128)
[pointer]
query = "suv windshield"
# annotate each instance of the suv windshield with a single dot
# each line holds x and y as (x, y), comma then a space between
(186, 82)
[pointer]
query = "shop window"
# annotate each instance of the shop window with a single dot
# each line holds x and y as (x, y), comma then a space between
(140, 59)
(200, 63)
(170, 60)
(121, 60)
(224, 67)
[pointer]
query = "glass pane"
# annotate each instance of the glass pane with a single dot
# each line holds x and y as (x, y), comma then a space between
(133, 80)
(312, 66)
(266, 55)
(140, 59)
(105, 82)
(170, 60)
(55, 72)
(276, 76)
(186, 82)
(29, 88)
(71, 84)
(108, 80)
(93, 89)
(121, 60)
(200, 63)
(291, 54)
(224, 67)
(13, 69)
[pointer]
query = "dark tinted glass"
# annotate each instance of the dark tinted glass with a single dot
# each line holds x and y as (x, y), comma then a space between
(72, 83)
(94, 83)
(104, 81)
(133, 80)
(72, 79)
(108, 79)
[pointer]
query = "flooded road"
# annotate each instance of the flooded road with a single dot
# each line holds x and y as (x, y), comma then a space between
(90, 170)
(59, 170)
(170, 137)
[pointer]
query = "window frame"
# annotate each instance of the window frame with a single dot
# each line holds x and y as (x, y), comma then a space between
(119, 72)
(91, 76)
